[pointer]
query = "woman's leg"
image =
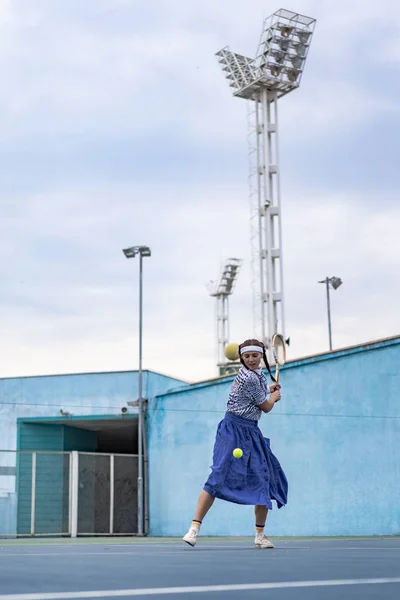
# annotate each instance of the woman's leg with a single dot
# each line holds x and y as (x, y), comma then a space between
(204, 504)
(261, 540)
(261, 513)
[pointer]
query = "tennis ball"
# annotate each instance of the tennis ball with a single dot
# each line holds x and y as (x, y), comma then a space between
(238, 453)
(232, 351)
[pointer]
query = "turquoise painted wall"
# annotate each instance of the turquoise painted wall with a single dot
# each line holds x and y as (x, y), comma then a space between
(48, 477)
(79, 439)
(337, 435)
(79, 394)
(8, 513)
(335, 432)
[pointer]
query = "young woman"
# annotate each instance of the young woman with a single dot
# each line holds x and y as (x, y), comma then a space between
(257, 477)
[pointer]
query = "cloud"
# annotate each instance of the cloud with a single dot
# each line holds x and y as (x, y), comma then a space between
(339, 237)
(76, 284)
(118, 127)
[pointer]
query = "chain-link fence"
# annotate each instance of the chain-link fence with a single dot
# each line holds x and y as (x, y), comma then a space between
(45, 493)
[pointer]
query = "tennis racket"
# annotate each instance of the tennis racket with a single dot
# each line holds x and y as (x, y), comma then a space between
(279, 352)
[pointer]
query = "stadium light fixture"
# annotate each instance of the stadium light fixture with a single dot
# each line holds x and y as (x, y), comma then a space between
(333, 282)
(142, 251)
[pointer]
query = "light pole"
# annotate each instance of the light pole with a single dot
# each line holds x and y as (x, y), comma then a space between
(335, 282)
(131, 253)
(221, 291)
(275, 71)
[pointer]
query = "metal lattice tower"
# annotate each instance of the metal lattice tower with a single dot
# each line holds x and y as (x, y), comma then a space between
(221, 291)
(276, 71)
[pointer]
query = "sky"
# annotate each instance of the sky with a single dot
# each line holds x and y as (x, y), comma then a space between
(118, 128)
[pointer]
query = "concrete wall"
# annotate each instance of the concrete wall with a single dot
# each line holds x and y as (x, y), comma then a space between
(79, 394)
(8, 513)
(336, 433)
(82, 440)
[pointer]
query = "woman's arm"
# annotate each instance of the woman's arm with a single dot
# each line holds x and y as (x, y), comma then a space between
(269, 404)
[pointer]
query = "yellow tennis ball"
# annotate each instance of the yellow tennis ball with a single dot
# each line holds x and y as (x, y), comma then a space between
(238, 453)
(232, 351)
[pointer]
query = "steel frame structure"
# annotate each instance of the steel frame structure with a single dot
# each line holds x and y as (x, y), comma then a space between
(275, 71)
(221, 292)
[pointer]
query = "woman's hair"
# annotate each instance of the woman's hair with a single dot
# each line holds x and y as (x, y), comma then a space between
(262, 346)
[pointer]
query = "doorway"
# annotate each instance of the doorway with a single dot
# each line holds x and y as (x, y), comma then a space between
(81, 469)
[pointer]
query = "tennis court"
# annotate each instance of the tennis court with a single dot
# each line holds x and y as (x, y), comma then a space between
(215, 568)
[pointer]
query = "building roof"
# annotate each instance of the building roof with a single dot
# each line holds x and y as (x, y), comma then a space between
(309, 359)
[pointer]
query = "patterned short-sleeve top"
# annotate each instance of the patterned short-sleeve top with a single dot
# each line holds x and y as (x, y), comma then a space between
(248, 391)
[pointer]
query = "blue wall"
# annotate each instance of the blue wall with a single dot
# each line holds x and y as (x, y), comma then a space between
(336, 432)
(79, 394)
(82, 440)
(337, 435)
(8, 513)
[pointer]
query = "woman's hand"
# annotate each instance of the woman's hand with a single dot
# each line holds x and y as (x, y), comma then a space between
(274, 386)
(275, 396)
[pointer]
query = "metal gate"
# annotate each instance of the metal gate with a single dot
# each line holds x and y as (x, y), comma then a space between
(105, 494)
(46, 493)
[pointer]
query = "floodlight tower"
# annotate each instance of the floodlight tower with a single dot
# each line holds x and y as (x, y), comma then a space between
(274, 72)
(221, 291)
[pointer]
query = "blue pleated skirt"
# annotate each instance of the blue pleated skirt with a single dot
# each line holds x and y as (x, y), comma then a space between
(257, 477)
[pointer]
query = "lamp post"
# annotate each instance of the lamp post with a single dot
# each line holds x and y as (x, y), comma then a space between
(335, 282)
(274, 72)
(142, 251)
(221, 291)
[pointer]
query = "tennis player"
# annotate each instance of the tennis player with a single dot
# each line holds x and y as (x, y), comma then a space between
(257, 477)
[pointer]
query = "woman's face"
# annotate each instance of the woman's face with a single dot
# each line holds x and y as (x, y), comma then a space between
(252, 360)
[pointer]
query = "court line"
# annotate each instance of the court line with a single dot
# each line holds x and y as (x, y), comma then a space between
(198, 589)
(136, 552)
(77, 554)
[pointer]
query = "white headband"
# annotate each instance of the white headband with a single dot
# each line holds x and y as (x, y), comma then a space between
(251, 349)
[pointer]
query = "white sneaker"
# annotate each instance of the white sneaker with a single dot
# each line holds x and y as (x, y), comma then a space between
(191, 536)
(261, 541)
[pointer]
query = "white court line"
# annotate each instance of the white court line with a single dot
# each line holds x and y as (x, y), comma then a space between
(108, 553)
(375, 549)
(137, 551)
(77, 554)
(107, 550)
(198, 589)
(139, 548)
